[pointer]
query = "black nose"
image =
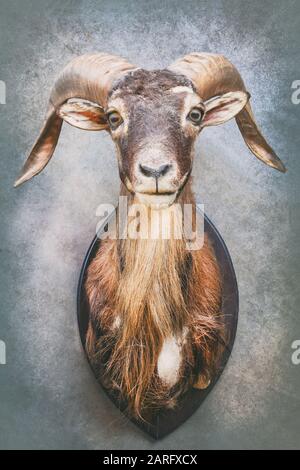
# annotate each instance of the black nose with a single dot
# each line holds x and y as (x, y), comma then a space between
(155, 172)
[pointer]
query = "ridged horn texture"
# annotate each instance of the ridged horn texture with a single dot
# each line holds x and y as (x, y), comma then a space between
(213, 75)
(88, 77)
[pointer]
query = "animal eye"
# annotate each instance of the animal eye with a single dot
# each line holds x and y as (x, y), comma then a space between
(195, 115)
(114, 119)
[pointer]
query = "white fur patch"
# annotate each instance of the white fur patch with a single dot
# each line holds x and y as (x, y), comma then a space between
(181, 89)
(117, 322)
(169, 361)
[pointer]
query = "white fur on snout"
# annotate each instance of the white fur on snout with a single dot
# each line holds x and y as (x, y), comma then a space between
(154, 154)
(169, 361)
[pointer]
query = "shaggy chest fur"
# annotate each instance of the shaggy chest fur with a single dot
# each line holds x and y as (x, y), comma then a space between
(154, 318)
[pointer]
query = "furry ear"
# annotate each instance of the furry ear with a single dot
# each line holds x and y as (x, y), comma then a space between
(79, 113)
(222, 108)
(83, 114)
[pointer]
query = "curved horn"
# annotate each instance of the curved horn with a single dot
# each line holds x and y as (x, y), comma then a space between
(213, 75)
(88, 77)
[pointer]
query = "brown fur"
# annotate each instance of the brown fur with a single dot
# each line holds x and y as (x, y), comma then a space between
(154, 115)
(157, 287)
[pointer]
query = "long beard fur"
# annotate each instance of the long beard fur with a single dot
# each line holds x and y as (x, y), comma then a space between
(152, 305)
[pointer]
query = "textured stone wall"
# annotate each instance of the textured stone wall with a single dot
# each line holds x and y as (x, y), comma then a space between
(48, 395)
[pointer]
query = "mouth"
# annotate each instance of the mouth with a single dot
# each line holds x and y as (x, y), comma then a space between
(156, 200)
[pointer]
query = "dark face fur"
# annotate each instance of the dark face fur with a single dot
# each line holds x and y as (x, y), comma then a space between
(150, 123)
(152, 116)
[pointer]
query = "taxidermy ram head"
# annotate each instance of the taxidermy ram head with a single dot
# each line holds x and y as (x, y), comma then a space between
(153, 117)
(154, 307)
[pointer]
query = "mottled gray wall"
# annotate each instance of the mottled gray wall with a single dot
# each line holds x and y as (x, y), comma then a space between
(48, 396)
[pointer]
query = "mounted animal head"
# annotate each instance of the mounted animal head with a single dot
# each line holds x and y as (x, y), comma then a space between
(153, 117)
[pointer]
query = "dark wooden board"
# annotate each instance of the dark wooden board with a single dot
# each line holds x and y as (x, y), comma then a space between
(164, 422)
